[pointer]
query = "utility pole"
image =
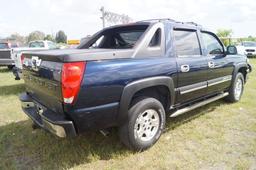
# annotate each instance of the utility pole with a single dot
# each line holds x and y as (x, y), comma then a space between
(113, 18)
(103, 16)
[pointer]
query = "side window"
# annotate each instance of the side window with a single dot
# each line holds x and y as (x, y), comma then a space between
(156, 39)
(212, 44)
(97, 43)
(52, 45)
(186, 43)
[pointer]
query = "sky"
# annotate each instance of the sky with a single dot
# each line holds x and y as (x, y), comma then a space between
(79, 18)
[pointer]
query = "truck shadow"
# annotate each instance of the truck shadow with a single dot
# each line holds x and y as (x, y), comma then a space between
(172, 123)
(25, 148)
(12, 89)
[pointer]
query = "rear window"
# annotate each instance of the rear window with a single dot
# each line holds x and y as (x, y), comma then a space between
(3, 45)
(117, 38)
(36, 44)
(249, 44)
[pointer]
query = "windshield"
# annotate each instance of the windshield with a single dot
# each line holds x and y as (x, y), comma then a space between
(123, 37)
(249, 44)
(3, 45)
(36, 44)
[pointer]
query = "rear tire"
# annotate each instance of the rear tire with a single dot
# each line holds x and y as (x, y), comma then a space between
(236, 89)
(145, 124)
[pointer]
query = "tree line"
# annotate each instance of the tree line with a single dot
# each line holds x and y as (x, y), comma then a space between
(60, 37)
(225, 36)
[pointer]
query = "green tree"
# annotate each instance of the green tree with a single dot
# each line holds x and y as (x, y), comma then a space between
(251, 38)
(21, 40)
(49, 37)
(225, 36)
(36, 35)
(61, 37)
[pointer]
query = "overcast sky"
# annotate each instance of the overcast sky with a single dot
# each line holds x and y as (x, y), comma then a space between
(79, 18)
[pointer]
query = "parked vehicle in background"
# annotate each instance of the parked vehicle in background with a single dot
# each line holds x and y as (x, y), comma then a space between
(132, 77)
(32, 46)
(6, 54)
(248, 48)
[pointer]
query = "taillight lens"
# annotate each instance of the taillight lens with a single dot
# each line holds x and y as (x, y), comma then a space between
(22, 57)
(9, 45)
(72, 74)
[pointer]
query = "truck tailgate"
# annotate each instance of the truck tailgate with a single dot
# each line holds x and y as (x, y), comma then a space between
(5, 54)
(43, 82)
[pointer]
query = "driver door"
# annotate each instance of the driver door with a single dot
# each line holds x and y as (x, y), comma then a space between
(219, 70)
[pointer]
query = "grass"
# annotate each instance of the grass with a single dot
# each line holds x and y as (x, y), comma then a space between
(217, 136)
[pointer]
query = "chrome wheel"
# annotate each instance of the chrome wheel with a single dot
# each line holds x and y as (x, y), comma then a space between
(147, 125)
(238, 88)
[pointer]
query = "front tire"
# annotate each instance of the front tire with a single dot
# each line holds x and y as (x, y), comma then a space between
(145, 124)
(236, 89)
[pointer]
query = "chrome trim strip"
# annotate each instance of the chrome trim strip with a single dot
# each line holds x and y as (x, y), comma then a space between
(193, 89)
(219, 80)
(205, 84)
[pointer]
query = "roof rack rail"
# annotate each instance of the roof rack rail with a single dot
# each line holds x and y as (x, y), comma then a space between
(169, 19)
(193, 23)
(157, 19)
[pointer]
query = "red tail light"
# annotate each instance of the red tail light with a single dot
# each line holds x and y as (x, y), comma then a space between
(72, 74)
(9, 45)
(22, 57)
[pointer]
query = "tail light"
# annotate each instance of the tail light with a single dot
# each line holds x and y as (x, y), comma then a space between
(22, 57)
(72, 74)
(9, 45)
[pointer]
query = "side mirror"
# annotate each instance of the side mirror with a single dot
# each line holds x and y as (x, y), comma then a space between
(231, 50)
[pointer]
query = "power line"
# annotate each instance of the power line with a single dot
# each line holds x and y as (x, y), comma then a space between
(113, 18)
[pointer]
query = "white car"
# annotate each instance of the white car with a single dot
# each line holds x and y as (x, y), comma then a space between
(248, 48)
(32, 46)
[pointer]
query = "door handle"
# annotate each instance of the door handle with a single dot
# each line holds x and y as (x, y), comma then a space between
(184, 68)
(211, 64)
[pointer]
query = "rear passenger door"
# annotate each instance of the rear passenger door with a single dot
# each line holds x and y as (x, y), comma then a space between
(192, 65)
(219, 72)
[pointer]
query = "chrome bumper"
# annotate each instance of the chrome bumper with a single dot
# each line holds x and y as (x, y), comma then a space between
(46, 119)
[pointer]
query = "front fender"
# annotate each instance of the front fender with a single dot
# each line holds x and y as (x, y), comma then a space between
(133, 87)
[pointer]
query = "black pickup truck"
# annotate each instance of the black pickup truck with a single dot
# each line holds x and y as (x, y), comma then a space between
(131, 77)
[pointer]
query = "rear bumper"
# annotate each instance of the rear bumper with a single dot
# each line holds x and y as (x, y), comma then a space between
(46, 119)
(250, 54)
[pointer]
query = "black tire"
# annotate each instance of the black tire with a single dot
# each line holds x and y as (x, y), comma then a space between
(10, 67)
(127, 132)
(232, 97)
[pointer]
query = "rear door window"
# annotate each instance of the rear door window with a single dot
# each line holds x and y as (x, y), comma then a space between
(186, 43)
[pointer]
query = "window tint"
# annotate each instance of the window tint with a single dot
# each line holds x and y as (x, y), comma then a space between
(156, 39)
(123, 37)
(249, 44)
(212, 45)
(186, 43)
(98, 42)
(36, 44)
(130, 37)
(52, 45)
